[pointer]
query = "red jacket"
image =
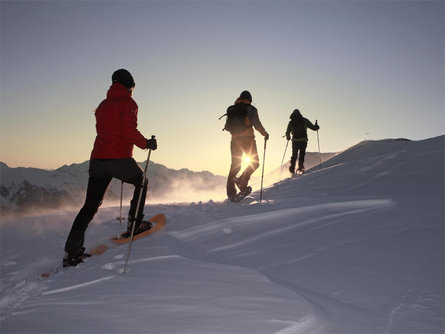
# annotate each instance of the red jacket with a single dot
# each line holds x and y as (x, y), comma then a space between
(116, 125)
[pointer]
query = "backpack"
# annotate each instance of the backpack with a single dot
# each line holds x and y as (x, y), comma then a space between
(237, 120)
(298, 127)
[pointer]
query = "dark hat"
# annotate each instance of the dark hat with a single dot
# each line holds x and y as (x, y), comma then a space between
(123, 77)
(295, 114)
(245, 95)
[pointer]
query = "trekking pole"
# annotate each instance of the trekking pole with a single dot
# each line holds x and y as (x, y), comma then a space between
(319, 152)
(284, 153)
(262, 173)
(120, 209)
(281, 168)
(137, 210)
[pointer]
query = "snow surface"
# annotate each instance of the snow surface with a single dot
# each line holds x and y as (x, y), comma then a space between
(356, 246)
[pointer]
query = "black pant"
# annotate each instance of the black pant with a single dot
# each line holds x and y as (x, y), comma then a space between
(101, 172)
(238, 146)
(301, 147)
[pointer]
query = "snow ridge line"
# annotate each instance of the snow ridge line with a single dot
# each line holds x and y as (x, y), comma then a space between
(208, 229)
(286, 228)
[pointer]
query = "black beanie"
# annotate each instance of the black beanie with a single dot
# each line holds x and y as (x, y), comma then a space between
(295, 114)
(123, 77)
(246, 96)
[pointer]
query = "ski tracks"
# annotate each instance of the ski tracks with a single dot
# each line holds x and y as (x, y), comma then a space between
(77, 286)
(17, 287)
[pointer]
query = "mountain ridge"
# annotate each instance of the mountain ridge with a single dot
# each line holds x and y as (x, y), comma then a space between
(28, 191)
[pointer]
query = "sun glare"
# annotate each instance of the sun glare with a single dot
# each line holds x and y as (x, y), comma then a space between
(247, 159)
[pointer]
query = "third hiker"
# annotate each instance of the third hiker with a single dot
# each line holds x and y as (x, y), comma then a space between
(298, 127)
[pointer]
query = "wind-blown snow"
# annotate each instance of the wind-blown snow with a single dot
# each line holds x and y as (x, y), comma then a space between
(356, 246)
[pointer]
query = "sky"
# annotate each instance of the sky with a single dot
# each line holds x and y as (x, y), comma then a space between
(363, 69)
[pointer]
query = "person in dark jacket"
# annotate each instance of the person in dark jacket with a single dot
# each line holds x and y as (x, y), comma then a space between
(298, 127)
(243, 142)
(111, 157)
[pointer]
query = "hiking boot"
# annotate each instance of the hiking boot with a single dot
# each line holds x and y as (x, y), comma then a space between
(300, 169)
(292, 169)
(72, 260)
(143, 226)
(140, 227)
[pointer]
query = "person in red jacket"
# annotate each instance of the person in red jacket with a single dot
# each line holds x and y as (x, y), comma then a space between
(117, 133)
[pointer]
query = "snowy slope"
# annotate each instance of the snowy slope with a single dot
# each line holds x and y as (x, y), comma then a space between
(356, 246)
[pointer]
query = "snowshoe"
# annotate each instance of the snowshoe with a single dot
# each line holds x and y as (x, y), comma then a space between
(70, 260)
(231, 198)
(238, 197)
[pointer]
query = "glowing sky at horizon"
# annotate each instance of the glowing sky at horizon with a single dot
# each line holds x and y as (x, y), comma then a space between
(363, 69)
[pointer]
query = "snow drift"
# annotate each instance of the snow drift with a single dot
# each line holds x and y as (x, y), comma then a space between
(356, 246)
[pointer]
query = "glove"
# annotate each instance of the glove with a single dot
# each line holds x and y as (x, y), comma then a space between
(317, 127)
(152, 144)
(266, 137)
(287, 136)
